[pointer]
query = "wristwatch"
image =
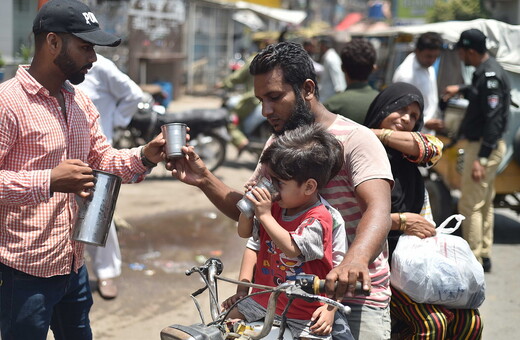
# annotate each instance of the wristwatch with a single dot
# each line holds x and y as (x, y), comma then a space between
(146, 162)
(483, 161)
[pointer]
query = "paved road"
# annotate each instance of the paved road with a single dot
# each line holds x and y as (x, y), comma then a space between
(501, 309)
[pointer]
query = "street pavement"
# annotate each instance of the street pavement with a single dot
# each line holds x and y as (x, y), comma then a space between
(501, 309)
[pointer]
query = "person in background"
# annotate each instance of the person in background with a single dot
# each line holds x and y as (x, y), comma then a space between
(483, 126)
(417, 69)
(116, 97)
(285, 83)
(50, 144)
(378, 10)
(309, 45)
(395, 116)
(245, 105)
(332, 79)
(294, 227)
(358, 60)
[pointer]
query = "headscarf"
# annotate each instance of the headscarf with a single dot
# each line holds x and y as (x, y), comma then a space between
(408, 190)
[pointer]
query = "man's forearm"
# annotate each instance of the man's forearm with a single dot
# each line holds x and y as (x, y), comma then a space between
(368, 243)
(222, 196)
(375, 223)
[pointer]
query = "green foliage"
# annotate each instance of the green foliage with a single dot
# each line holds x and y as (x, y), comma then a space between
(446, 10)
(25, 53)
(2, 61)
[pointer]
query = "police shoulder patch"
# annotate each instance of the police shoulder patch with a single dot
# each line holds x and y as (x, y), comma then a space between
(493, 101)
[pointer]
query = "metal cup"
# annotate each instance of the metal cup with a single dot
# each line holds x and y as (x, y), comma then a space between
(175, 136)
(96, 211)
(246, 206)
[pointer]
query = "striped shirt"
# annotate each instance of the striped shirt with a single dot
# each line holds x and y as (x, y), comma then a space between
(365, 159)
(35, 137)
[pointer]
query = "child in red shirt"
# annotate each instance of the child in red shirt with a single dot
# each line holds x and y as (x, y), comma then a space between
(295, 232)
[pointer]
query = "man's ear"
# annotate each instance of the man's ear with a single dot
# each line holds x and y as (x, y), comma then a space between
(310, 186)
(54, 43)
(308, 89)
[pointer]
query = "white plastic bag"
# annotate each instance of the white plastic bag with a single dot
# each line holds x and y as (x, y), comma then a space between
(439, 270)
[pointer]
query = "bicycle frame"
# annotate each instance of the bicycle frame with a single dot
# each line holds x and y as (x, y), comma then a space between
(302, 287)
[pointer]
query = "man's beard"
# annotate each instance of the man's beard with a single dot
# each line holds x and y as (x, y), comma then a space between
(69, 68)
(301, 116)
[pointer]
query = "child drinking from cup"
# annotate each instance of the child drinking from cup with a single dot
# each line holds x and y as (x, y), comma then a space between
(295, 231)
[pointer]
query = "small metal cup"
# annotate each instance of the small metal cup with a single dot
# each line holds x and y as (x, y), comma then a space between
(175, 136)
(246, 206)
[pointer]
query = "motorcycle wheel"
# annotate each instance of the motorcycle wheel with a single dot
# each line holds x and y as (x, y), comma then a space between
(210, 148)
(125, 139)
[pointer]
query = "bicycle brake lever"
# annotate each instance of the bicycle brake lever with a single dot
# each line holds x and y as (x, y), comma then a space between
(211, 262)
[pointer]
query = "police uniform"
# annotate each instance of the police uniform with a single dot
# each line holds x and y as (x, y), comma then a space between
(483, 126)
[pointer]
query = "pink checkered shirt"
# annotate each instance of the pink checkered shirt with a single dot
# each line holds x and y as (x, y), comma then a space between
(36, 225)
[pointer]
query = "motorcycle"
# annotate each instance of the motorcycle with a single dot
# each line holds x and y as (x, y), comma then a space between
(303, 286)
(255, 126)
(208, 129)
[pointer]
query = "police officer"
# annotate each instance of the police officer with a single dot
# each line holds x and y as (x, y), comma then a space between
(482, 126)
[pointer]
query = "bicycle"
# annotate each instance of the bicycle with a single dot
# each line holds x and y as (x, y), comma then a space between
(304, 286)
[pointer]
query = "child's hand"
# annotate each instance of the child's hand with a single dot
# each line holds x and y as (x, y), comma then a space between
(231, 300)
(323, 318)
(262, 201)
(249, 185)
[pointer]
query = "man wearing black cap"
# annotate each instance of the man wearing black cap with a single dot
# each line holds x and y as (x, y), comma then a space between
(50, 143)
(482, 126)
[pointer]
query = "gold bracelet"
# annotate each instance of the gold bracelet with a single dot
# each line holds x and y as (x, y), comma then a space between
(402, 222)
(384, 136)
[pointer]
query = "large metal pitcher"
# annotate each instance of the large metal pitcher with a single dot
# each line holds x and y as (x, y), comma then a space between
(96, 211)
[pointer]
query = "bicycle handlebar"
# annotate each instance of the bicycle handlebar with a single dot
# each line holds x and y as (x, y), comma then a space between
(304, 286)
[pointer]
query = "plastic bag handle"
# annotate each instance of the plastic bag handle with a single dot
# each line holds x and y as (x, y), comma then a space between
(442, 228)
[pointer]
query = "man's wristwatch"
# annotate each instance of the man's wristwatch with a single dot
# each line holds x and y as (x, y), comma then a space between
(146, 162)
(483, 161)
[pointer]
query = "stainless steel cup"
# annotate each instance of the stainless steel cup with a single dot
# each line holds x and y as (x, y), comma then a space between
(96, 211)
(175, 136)
(246, 206)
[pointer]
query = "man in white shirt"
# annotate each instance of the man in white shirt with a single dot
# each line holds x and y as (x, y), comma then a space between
(116, 97)
(310, 46)
(417, 69)
(332, 79)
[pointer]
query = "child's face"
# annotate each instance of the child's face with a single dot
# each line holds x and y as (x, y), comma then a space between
(291, 194)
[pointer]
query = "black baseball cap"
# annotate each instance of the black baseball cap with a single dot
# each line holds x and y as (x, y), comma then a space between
(474, 39)
(74, 17)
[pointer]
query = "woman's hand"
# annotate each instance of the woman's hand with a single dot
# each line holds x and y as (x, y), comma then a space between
(418, 226)
(323, 318)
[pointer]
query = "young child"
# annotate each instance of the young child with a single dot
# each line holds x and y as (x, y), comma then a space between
(295, 232)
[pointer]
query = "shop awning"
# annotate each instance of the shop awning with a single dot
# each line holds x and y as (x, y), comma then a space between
(349, 20)
(280, 14)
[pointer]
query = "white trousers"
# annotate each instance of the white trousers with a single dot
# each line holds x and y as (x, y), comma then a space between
(106, 261)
